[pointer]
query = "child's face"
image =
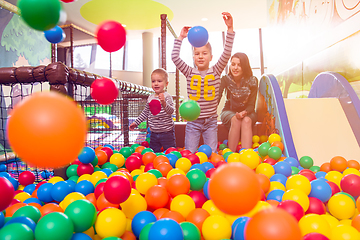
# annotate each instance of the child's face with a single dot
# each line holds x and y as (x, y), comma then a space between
(235, 67)
(202, 57)
(158, 83)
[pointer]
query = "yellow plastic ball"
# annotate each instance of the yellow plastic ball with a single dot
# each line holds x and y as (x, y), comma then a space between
(119, 173)
(351, 171)
(174, 171)
(117, 159)
(314, 223)
(276, 185)
(274, 138)
(145, 181)
(182, 204)
(96, 176)
(341, 206)
(298, 196)
(226, 150)
(234, 157)
(344, 232)
(183, 164)
(345, 222)
(266, 169)
(261, 205)
(250, 158)
(84, 177)
(263, 138)
(210, 207)
(133, 205)
(298, 181)
(128, 224)
(111, 222)
(255, 139)
(22, 196)
(55, 179)
(136, 172)
(71, 197)
(216, 227)
(333, 221)
(335, 177)
(255, 145)
(203, 157)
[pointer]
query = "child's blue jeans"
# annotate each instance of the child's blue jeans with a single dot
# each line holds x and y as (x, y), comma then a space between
(162, 139)
(205, 126)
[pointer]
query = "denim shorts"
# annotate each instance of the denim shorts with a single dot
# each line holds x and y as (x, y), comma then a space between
(207, 127)
(162, 139)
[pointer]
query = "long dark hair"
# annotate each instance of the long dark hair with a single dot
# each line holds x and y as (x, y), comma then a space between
(245, 64)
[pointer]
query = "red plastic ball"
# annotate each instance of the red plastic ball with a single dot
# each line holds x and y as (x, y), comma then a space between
(198, 197)
(316, 206)
(82, 169)
(117, 189)
(7, 193)
(210, 172)
(109, 151)
(111, 36)
(334, 187)
(270, 161)
(99, 189)
(193, 158)
(145, 144)
(148, 167)
(185, 153)
(104, 91)
(170, 149)
(315, 236)
(293, 208)
(26, 178)
(133, 162)
(351, 184)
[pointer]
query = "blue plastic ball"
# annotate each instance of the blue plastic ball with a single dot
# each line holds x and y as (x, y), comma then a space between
(2, 219)
(24, 220)
(225, 142)
(320, 174)
(198, 36)
(107, 171)
(292, 161)
(14, 182)
(87, 155)
(205, 149)
(80, 236)
(109, 146)
(172, 159)
(33, 200)
(85, 187)
(276, 194)
(140, 220)
(55, 35)
(206, 189)
(3, 168)
(45, 174)
(5, 175)
(30, 188)
(198, 166)
(238, 228)
(207, 166)
(321, 190)
(283, 168)
(60, 190)
(279, 178)
(164, 229)
(44, 192)
(71, 184)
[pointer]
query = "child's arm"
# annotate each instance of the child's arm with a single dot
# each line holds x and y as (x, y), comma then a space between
(167, 103)
(225, 56)
(175, 55)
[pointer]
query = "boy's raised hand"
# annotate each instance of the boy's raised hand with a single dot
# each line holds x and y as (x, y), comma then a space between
(228, 21)
(184, 32)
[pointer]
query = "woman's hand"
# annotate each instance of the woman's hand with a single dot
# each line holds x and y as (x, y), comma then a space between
(241, 115)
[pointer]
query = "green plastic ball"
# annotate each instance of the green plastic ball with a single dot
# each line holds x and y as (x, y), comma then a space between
(222, 146)
(190, 110)
(315, 169)
(176, 153)
(28, 211)
(306, 162)
(71, 171)
(144, 234)
(190, 231)
(82, 213)
(145, 150)
(156, 172)
(126, 151)
(263, 148)
(197, 179)
(16, 231)
(274, 152)
(54, 226)
(294, 170)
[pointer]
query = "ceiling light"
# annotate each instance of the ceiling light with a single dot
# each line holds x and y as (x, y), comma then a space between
(204, 19)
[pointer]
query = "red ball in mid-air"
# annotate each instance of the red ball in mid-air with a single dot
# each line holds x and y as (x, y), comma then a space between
(104, 91)
(111, 36)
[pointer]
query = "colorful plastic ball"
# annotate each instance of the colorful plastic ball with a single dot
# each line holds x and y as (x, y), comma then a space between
(315, 236)
(44, 192)
(28, 211)
(320, 174)
(87, 155)
(55, 35)
(316, 206)
(71, 198)
(140, 220)
(250, 158)
(293, 208)
(190, 231)
(275, 194)
(82, 169)
(80, 236)
(306, 162)
(111, 36)
(353, 164)
(283, 168)
(314, 223)
(266, 169)
(45, 174)
(216, 227)
(60, 190)
(55, 225)
(117, 189)
(144, 181)
(274, 152)
(238, 228)
(16, 231)
(157, 197)
(134, 204)
(198, 36)
(7, 193)
(321, 190)
(345, 232)
(292, 161)
(104, 91)
(65, 128)
(279, 178)
(24, 220)
(198, 198)
(144, 234)
(85, 187)
(182, 204)
(338, 163)
(26, 178)
(334, 176)
(263, 149)
(227, 190)
(178, 184)
(205, 149)
(197, 179)
(166, 229)
(298, 196)
(351, 184)
(111, 222)
(190, 110)
(49, 208)
(3, 168)
(275, 224)
(341, 206)
(43, 17)
(274, 138)
(82, 214)
(299, 182)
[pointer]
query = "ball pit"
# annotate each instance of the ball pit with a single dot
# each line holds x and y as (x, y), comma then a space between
(134, 193)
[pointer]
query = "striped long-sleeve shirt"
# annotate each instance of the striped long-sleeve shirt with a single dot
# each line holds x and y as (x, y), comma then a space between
(203, 86)
(161, 122)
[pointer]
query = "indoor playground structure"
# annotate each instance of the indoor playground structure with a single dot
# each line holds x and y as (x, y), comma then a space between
(70, 169)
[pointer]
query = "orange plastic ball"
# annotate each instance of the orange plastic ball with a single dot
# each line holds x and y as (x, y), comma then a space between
(178, 217)
(228, 191)
(47, 130)
(164, 168)
(197, 217)
(160, 159)
(159, 212)
(102, 203)
(128, 236)
(49, 208)
(139, 149)
(353, 164)
(273, 224)
(156, 197)
(102, 157)
(178, 184)
(148, 158)
(338, 163)
(264, 182)
(91, 198)
(325, 167)
(13, 208)
(162, 181)
(278, 144)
